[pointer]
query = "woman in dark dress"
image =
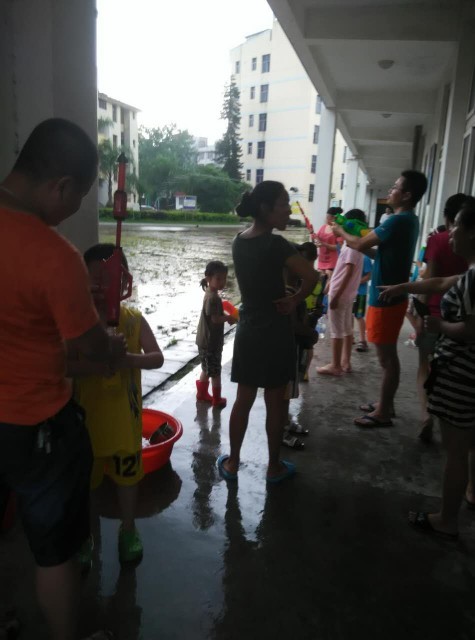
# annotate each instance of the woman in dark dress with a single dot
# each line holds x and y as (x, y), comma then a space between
(264, 348)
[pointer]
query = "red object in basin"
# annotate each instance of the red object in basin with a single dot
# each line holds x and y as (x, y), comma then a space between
(156, 456)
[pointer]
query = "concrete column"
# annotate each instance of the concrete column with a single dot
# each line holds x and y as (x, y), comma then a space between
(360, 201)
(351, 181)
(48, 60)
(456, 121)
(323, 177)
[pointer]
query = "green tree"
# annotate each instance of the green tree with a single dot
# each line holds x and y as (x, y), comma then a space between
(215, 190)
(228, 149)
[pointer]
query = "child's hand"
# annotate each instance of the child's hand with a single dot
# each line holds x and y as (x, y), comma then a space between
(337, 229)
(432, 324)
(231, 319)
(388, 292)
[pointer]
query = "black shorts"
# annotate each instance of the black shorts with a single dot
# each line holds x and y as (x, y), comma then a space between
(49, 466)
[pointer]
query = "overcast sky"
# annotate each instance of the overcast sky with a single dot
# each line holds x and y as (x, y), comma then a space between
(171, 59)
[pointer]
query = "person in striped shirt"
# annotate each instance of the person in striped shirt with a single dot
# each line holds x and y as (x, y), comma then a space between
(451, 382)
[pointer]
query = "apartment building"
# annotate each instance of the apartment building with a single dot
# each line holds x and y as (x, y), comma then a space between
(117, 122)
(280, 118)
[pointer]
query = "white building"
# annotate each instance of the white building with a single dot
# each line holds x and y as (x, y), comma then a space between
(205, 153)
(117, 122)
(280, 118)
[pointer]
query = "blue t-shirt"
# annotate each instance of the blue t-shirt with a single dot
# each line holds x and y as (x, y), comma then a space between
(392, 265)
(367, 268)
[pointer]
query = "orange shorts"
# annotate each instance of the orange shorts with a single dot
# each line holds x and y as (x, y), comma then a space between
(383, 324)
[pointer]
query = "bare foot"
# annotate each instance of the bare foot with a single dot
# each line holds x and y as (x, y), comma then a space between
(438, 525)
(330, 370)
(346, 368)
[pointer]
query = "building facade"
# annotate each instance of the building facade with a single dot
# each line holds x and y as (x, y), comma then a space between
(117, 122)
(205, 153)
(281, 118)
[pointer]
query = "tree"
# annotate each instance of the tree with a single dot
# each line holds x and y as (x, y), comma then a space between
(215, 190)
(228, 149)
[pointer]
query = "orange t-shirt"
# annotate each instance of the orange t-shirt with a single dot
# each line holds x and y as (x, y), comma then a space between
(44, 299)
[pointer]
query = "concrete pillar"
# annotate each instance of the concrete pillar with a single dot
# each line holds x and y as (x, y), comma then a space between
(323, 176)
(48, 62)
(351, 181)
(360, 201)
(456, 122)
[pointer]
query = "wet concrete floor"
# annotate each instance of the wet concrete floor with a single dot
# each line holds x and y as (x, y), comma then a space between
(326, 556)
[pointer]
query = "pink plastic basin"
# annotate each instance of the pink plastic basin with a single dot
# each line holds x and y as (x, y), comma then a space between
(156, 456)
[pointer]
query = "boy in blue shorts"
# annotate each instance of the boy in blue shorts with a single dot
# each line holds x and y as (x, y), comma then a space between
(359, 307)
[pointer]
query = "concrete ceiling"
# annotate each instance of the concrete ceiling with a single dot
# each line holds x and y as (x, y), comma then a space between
(340, 43)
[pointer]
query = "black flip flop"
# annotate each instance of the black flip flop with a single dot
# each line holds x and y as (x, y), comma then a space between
(420, 521)
(370, 407)
(370, 422)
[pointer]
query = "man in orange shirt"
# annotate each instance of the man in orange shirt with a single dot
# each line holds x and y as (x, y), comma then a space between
(45, 453)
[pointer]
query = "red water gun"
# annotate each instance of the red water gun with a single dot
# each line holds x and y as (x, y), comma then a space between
(308, 224)
(118, 279)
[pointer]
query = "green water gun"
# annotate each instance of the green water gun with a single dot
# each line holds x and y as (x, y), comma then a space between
(353, 227)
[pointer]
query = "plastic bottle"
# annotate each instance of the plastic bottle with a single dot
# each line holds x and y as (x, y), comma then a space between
(322, 327)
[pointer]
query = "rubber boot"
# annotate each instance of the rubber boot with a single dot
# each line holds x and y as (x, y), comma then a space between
(202, 391)
(217, 400)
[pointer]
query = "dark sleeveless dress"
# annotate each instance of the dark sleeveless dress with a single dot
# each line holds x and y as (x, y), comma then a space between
(264, 347)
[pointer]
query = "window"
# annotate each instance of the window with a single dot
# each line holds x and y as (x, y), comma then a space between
(311, 192)
(249, 147)
(248, 175)
(237, 66)
(259, 175)
(254, 64)
(253, 93)
(251, 120)
(122, 116)
(342, 181)
(114, 113)
(266, 63)
(263, 122)
(318, 106)
(133, 143)
(102, 104)
(261, 149)
(122, 140)
(316, 134)
(345, 150)
(313, 164)
(264, 92)
(133, 115)
(114, 141)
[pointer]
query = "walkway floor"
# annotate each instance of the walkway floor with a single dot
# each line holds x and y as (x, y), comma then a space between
(326, 556)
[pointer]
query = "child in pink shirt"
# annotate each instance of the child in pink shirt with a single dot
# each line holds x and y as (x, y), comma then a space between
(327, 243)
(343, 289)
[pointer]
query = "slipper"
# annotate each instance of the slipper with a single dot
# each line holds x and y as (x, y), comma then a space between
(371, 421)
(290, 470)
(297, 429)
(420, 521)
(370, 407)
(222, 471)
(292, 442)
(362, 347)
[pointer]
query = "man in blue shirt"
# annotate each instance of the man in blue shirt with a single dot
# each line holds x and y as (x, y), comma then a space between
(392, 247)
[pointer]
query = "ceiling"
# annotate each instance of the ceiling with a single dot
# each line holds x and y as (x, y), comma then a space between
(340, 43)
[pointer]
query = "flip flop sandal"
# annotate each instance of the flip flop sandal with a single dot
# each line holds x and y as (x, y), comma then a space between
(370, 407)
(290, 470)
(362, 347)
(222, 471)
(292, 442)
(420, 521)
(371, 422)
(297, 429)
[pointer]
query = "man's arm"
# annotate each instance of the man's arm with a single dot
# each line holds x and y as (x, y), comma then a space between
(363, 244)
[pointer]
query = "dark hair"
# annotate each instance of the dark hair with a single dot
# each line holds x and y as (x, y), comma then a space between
(466, 215)
(355, 214)
(57, 148)
(100, 252)
(265, 192)
(334, 211)
(390, 208)
(309, 249)
(415, 183)
(453, 206)
(212, 268)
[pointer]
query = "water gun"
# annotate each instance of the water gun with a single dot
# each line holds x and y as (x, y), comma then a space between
(230, 309)
(353, 227)
(308, 224)
(118, 281)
